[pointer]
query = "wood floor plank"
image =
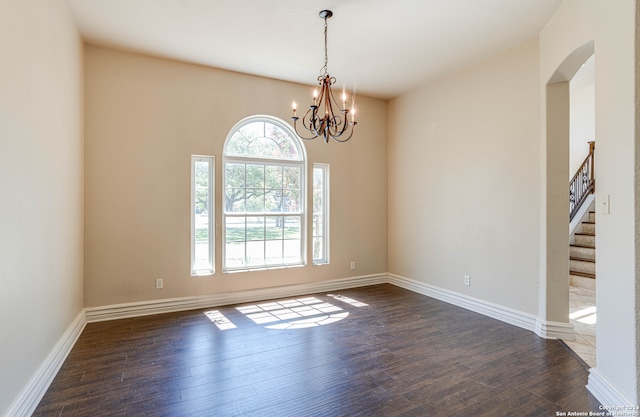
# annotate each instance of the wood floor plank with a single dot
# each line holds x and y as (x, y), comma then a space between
(398, 354)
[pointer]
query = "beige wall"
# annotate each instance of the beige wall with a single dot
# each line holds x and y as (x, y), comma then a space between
(612, 27)
(582, 115)
(145, 117)
(477, 177)
(41, 191)
(464, 181)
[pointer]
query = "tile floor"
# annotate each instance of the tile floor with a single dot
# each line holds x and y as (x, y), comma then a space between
(582, 312)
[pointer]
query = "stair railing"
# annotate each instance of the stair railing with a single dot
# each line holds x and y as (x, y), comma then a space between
(582, 184)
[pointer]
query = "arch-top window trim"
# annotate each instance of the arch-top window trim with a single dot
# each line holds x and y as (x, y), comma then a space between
(238, 127)
(260, 226)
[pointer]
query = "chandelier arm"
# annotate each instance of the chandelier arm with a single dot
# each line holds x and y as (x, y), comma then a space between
(316, 124)
(337, 120)
(337, 139)
(304, 118)
(310, 119)
(299, 135)
(303, 137)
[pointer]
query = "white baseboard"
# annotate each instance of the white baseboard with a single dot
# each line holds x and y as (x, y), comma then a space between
(29, 398)
(544, 329)
(607, 393)
(144, 308)
(498, 312)
(555, 330)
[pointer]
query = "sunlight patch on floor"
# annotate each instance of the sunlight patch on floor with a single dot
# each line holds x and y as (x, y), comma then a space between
(348, 300)
(277, 311)
(297, 313)
(219, 320)
(312, 322)
(586, 315)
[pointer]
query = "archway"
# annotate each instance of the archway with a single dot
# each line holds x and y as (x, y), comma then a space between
(553, 316)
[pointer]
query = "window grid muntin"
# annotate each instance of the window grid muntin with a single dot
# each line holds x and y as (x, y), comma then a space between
(240, 133)
(269, 163)
(248, 242)
(300, 213)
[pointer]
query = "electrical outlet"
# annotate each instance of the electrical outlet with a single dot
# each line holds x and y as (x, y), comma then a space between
(159, 284)
(353, 264)
(467, 280)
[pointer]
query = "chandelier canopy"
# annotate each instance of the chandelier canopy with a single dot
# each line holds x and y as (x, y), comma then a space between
(325, 117)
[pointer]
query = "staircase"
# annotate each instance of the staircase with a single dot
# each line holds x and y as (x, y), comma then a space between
(582, 260)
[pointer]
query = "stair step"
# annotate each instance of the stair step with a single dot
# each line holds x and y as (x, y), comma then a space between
(585, 239)
(582, 274)
(582, 282)
(584, 252)
(583, 266)
(582, 255)
(589, 228)
(581, 259)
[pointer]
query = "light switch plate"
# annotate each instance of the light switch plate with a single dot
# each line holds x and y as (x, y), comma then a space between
(603, 202)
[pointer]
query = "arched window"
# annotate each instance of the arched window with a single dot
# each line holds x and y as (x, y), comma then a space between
(264, 180)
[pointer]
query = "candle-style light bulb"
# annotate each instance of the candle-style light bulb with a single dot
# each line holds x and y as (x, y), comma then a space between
(353, 114)
(294, 106)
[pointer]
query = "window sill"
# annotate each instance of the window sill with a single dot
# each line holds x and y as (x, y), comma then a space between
(207, 273)
(261, 268)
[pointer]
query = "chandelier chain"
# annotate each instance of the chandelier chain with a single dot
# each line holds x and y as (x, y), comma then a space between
(325, 69)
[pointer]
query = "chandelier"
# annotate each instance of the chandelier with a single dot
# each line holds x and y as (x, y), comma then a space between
(325, 117)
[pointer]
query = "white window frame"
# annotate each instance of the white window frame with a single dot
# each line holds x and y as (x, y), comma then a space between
(301, 213)
(210, 269)
(324, 259)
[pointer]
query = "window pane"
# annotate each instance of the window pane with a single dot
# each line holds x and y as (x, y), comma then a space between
(292, 227)
(255, 253)
(234, 200)
(318, 224)
(264, 140)
(318, 248)
(291, 201)
(255, 228)
(255, 200)
(202, 215)
(237, 144)
(234, 255)
(273, 201)
(263, 147)
(252, 130)
(273, 252)
(235, 229)
(275, 227)
(255, 176)
(291, 178)
(286, 145)
(292, 251)
(234, 175)
(320, 213)
(274, 132)
(273, 177)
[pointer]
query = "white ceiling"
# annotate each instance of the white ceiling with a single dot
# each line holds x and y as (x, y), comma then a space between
(382, 48)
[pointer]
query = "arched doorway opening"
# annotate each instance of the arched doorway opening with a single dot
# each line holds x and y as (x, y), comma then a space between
(553, 319)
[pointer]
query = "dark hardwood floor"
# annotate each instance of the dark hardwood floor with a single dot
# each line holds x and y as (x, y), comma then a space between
(373, 351)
